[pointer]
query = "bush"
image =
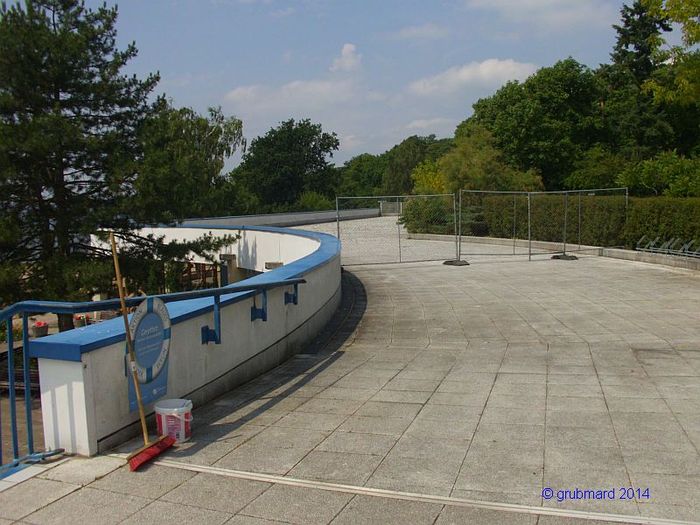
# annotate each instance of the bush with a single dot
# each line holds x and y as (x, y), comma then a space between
(428, 215)
(312, 201)
(664, 217)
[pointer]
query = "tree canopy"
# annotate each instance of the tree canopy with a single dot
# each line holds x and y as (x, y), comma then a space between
(287, 161)
(84, 148)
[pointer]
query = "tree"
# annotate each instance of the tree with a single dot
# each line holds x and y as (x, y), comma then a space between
(477, 164)
(71, 125)
(362, 175)
(679, 81)
(287, 161)
(667, 174)
(637, 40)
(597, 168)
(428, 179)
(180, 172)
(404, 157)
(545, 122)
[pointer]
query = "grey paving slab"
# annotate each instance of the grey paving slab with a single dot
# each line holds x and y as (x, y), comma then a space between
(149, 481)
(89, 506)
(219, 493)
(338, 467)
(461, 515)
(81, 471)
(358, 443)
(264, 459)
(390, 426)
(297, 505)
(381, 511)
(162, 512)
(31, 495)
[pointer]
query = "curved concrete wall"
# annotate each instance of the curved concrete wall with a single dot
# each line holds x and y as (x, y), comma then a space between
(82, 372)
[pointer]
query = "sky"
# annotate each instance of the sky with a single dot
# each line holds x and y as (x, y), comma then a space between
(374, 72)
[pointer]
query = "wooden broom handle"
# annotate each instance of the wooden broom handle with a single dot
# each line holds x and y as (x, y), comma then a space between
(129, 343)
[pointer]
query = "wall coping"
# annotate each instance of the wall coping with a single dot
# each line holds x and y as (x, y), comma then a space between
(70, 345)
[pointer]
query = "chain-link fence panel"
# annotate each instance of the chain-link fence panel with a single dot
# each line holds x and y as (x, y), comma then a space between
(493, 223)
(577, 221)
(393, 229)
(428, 230)
(539, 224)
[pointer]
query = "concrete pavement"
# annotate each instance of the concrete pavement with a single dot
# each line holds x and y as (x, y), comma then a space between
(470, 388)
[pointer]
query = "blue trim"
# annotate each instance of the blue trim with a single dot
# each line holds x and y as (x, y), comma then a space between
(166, 333)
(70, 345)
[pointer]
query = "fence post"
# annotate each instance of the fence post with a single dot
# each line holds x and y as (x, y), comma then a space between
(27, 387)
(459, 229)
(11, 386)
(514, 213)
(566, 216)
(337, 217)
(529, 227)
(454, 208)
(398, 225)
(579, 221)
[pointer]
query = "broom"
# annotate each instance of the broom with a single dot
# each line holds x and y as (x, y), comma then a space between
(149, 450)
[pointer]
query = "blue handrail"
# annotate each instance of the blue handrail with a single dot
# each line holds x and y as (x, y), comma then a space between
(25, 308)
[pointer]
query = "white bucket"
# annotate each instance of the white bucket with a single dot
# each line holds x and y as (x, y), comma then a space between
(174, 418)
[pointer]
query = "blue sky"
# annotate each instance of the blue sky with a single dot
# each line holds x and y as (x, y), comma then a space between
(374, 72)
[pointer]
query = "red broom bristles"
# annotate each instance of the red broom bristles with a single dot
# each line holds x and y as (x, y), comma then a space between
(150, 452)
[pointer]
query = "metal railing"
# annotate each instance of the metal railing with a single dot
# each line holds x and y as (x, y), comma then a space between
(27, 308)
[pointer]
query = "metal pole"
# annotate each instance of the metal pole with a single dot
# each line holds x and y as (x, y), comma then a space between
(459, 229)
(398, 227)
(566, 213)
(579, 221)
(337, 217)
(454, 208)
(27, 379)
(529, 228)
(11, 386)
(514, 223)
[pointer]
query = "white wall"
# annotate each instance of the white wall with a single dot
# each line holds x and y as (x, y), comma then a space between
(87, 409)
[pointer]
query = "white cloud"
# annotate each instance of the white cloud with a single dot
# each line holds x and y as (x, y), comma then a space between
(281, 13)
(427, 31)
(489, 73)
(553, 15)
(430, 124)
(348, 60)
(295, 96)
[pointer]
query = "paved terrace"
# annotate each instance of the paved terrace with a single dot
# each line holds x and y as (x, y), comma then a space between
(482, 385)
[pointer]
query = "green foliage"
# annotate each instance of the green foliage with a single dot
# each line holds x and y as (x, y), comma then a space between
(83, 150)
(287, 161)
(476, 163)
(545, 122)
(362, 175)
(597, 168)
(666, 174)
(428, 179)
(679, 81)
(313, 201)
(403, 158)
(180, 173)
(428, 215)
(663, 217)
(638, 40)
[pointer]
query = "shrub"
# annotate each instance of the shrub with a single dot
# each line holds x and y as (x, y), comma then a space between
(604, 220)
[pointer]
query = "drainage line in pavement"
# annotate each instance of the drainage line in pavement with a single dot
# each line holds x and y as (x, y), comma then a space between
(423, 498)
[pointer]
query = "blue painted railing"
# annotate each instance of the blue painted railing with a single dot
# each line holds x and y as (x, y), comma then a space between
(27, 308)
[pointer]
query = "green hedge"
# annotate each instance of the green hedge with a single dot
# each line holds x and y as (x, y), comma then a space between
(664, 217)
(604, 220)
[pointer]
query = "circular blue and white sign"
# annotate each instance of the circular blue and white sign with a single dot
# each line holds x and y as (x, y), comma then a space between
(150, 333)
